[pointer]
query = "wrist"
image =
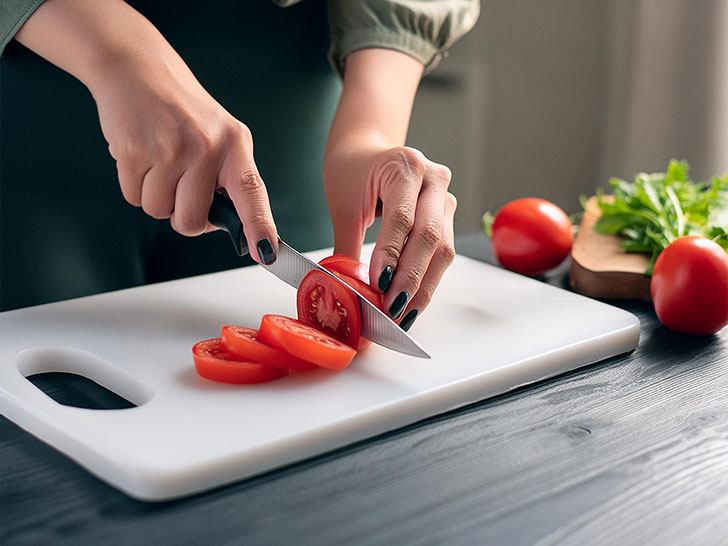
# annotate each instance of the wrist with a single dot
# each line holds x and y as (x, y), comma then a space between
(118, 68)
(357, 141)
(143, 59)
(356, 146)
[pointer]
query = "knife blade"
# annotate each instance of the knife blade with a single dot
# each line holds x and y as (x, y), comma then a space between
(291, 267)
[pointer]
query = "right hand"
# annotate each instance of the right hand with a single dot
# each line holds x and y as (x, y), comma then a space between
(174, 145)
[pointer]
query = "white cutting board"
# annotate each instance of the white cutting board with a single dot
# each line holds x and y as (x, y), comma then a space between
(488, 331)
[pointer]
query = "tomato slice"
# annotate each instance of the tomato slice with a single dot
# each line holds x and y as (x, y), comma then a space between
(328, 305)
(306, 342)
(348, 266)
(244, 343)
(215, 363)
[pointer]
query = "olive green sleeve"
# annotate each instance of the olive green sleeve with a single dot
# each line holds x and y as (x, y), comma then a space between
(13, 13)
(423, 29)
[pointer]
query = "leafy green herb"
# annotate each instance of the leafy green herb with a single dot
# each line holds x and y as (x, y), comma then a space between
(657, 208)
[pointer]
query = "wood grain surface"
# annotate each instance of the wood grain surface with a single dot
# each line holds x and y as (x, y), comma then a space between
(599, 266)
(633, 450)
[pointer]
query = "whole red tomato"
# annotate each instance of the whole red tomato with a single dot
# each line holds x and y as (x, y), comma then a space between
(531, 236)
(689, 286)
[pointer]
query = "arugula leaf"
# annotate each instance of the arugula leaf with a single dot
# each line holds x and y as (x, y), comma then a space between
(657, 208)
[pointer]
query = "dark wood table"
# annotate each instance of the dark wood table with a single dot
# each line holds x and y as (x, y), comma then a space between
(633, 450)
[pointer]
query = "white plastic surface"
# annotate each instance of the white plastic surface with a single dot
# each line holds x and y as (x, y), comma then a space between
(488, 331)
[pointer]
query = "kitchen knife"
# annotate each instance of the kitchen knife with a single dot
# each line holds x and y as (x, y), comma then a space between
(292, 266)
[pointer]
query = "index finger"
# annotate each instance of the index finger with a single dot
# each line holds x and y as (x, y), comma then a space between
(240, 177)
(400, 188)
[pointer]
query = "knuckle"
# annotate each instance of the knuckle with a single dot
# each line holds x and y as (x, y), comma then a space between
(392, 253)
(430, 234)
(447, 252)
(250, 181)
(190, 224)
(402, 218)
(442, 173)
(127, 151)
(259, 218)
(413, 277)
(425, 293)
(240, 133)
(244, 132)
(403, 160)
(452, 200)
(410, 157)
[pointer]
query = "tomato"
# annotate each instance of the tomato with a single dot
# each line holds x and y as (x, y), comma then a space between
(364, 289)
(328, 305)
(343, 266)
(214, 362)
(244, 343)
(689, 286)
(306, 342)
(368, 292)
(347, 265)
(531, 236)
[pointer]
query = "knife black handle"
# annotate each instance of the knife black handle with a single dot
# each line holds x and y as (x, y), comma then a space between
(224, 216)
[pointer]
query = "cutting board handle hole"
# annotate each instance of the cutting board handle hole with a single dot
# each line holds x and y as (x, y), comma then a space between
(80, 379)
(70, 389)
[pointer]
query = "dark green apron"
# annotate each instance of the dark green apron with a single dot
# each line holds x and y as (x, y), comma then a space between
(65, 229)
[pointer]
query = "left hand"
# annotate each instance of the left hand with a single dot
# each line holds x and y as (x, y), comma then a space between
(415, 244)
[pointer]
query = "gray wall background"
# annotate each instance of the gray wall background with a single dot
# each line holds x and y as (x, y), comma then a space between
(550, 98)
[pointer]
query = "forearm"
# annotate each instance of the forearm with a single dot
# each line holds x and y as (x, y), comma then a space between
(90, 38)
(376, 103)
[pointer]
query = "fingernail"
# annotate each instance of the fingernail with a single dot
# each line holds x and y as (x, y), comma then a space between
(398, 305)
(408, 320)
(385, 279)
(266, 252)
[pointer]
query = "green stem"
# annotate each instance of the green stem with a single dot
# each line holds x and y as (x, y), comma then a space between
(678, 210)
(487, 222)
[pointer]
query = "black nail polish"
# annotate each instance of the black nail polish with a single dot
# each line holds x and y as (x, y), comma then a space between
(385, 279)
(408, 320)
(266, 252)
(398, 305)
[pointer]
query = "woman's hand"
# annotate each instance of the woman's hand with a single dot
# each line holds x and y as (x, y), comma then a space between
(367, 169)
(172, 142)
(415, 242)
(174, 145)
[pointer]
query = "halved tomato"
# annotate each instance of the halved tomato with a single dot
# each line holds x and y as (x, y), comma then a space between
(215, 363)
(244, 343)
(306, 342)
(329, 306)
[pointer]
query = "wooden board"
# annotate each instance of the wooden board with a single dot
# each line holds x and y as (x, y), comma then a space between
(600, 268)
